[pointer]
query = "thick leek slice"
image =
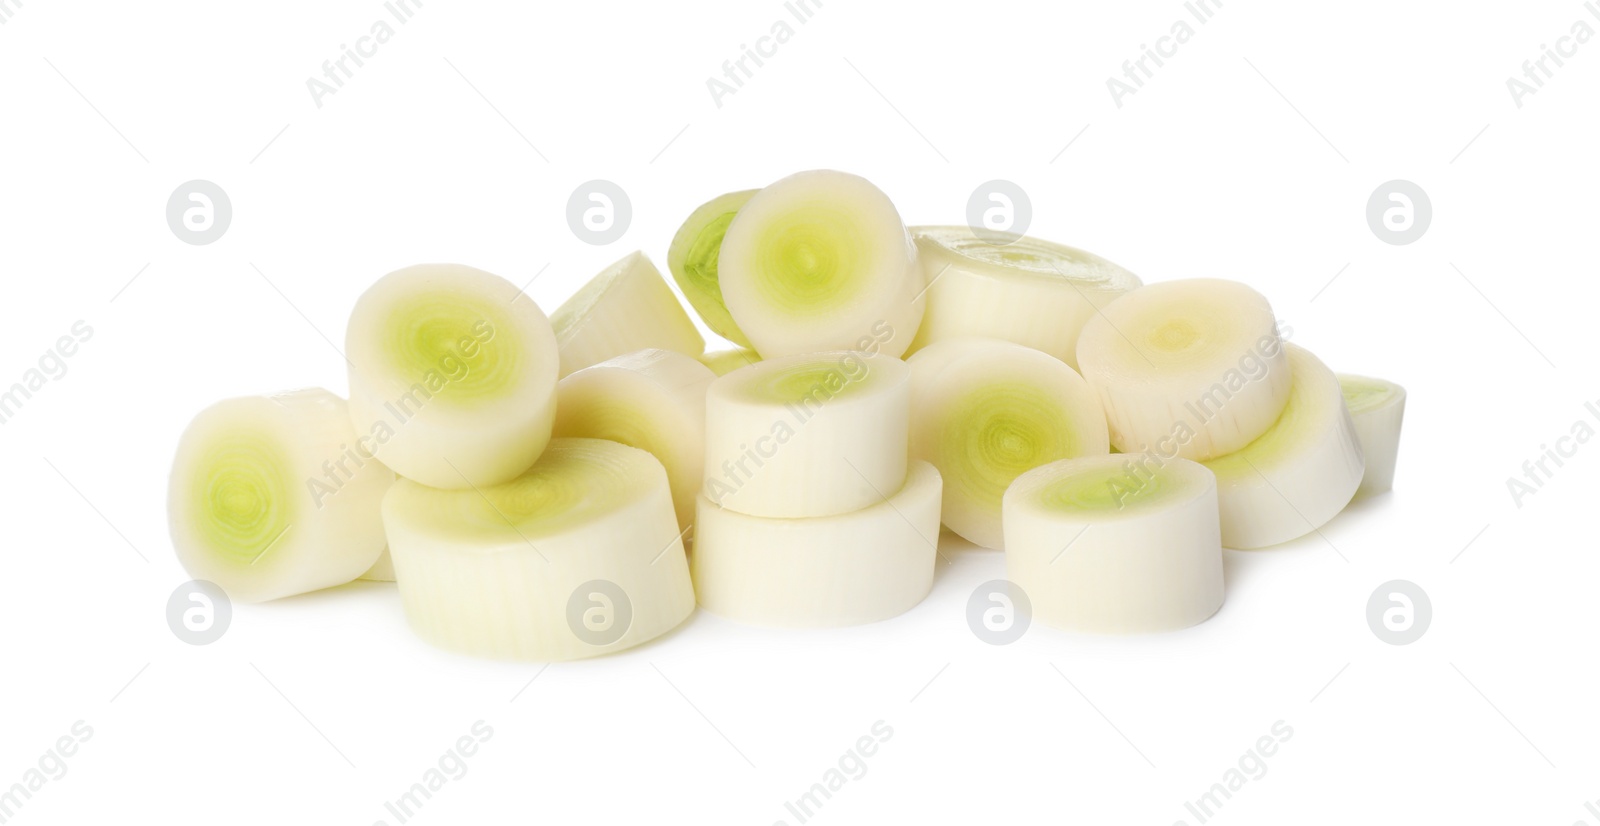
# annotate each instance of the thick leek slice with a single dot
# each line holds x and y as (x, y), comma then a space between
(693, 258)
(627, 307)
(1377, 408)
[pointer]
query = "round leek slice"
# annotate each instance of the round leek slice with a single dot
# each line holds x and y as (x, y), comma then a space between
(986, 411)
(519, 570)
(452, 375)
(1377, 407)
(272, 496)
(826, 571)
(807, 435)
(1101, 544)
(693, 257)
(723, 362)
(1195, 367)
(821, 261)
(1030, 291)
(627, 307)
(1297, 475)
(654, 400)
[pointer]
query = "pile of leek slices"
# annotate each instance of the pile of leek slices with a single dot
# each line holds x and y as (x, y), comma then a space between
(555, 487)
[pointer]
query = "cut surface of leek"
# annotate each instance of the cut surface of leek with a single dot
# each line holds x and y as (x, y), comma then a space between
(1100, 544)
(452, 375)
(821, 261)
(692, 258)
(723, 362)
(627, 307)
(654, 400)
(807, 435)
(1377, 408)
(846, 569)
(1194, 366)
(498, 571)
(1029, 291)
(985, 411)
(1297, 475)
(272, 496)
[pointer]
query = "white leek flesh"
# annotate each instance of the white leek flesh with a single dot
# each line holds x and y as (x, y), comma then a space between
(272, 496)
(495, 571)
(1030, 291)
(1297, 475)
(827, 571)
(654, 400)
(1377, 407)
(986, 411)
(382, 570)
(693, 258)
(821, 261)
(1195, 366)
(452, 375)
(723, 362)
(808, 435)
(1099, 544)
(627, 307)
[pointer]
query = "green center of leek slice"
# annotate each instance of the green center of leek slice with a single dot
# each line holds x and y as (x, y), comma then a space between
(812, 261)
(999, 431)
(241, 496)
(810, 381)
(462, 349)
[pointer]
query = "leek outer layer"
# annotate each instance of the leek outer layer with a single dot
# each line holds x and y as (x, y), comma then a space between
(693, 261)
(1297, 475)
(452, 375)
(1196, 364)
(272, 496)
(496, 572)
(627, 307)
(846, 569)
(1377, 407)
(1032, 292)
(1099, 544)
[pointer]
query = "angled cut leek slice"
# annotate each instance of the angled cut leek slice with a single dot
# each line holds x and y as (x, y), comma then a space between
(821, 261)
(1194, 366)
(1377, 408)
(654, 400)
(272, 496)
(497, 571)
(452, 375)
(1101, 544)
(627, 307)
(723, 362)
(1030, 291)
(846, 569)
(692, 258)
(985, 411)
(1297, 475)
(807, 435)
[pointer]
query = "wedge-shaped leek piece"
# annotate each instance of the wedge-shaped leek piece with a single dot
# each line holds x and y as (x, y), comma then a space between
(1297, 475)
(820, 261)
(452, 375)
(654, 400)
(1100, 544)
(807, 435)
(1377, 408)
(846, 569)
(723, 362)
(1196, 366)
(578, 556)
(693, 258)
(1029, 291)
(272, 496)
(627, 307)
(984, 412)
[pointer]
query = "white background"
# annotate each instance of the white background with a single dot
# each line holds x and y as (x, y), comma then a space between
(319, 709)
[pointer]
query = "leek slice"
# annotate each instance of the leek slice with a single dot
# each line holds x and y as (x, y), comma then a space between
(1377, 408)
(723, 362)
(627, 307)
(692, 258)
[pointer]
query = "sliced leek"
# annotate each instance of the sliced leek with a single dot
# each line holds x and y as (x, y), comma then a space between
(578, 556)
(723, 362)
(846, 569)
(654, 400)
(693, 257)
(807, 435)
(272, 496)
(1189, 368)
(1297, 475)
(1101, 544)
(821, 261)
(1376, 407)
(984, 412)
(1030, 291)
(382, 570)
(627, 307)
(452, 375)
